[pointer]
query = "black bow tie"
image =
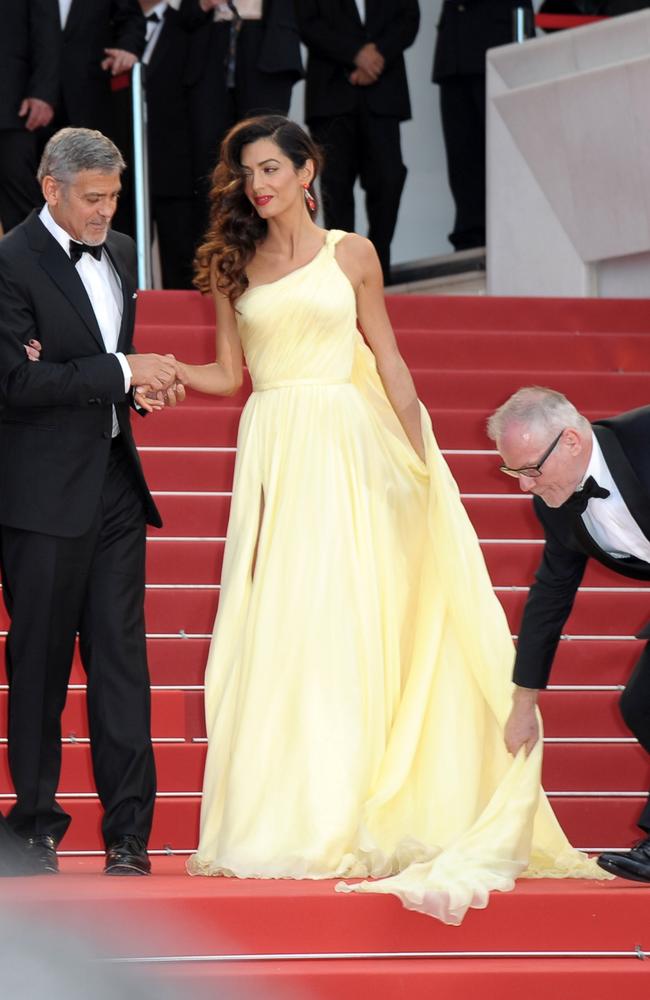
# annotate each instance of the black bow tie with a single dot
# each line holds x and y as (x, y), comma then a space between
(153, 18)
(591, 490)
(76, 250)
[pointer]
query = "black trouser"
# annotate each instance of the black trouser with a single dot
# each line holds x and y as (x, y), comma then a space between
(365, 146)
(173, 219)
(19, 190)
(215, 107)
(635, 709)
(94, 584)
(462, 107)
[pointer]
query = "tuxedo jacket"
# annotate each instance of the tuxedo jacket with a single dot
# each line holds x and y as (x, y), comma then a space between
(333, 33)
(30, 44)
(91, 27)
(279, 48)
(168, 129)
(56, 417)
(466, 30)
(625, 444)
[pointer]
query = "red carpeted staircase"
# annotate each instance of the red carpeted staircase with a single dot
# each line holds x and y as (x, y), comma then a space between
(467, 356)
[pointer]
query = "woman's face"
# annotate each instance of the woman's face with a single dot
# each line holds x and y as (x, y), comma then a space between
(272, 183)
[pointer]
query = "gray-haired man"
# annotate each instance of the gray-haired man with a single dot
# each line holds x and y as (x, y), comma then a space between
(73, 500)
(591, 489)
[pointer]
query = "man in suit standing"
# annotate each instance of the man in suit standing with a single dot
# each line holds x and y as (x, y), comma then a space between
(357, 95)
(29, 83)
(244, 59)
(73, 501)
(168, 134)
(591, 488)
(466, 30)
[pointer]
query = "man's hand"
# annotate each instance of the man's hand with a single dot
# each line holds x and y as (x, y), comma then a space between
(37, 113)
(149, 400)
(118, 61)
(370, 60)
(152, 371)
(359, 78)
(33, 350)
(522, 728)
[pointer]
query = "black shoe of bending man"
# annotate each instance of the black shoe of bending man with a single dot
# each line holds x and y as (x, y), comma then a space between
(633, 864)
(40, 855)
(127, 856)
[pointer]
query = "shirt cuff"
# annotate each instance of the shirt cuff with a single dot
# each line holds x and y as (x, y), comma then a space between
(126, 370)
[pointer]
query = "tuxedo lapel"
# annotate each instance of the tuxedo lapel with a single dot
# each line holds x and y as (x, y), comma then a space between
(162, 44)
(633, 493)
(56, 263)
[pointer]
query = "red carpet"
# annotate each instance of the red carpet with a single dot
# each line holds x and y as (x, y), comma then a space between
(467, 356)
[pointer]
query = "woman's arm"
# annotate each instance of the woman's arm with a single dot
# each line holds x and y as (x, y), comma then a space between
(225, 375)
(359, 260)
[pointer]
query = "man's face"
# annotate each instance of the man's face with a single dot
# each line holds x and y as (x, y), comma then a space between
(522, 447)
(85, 205)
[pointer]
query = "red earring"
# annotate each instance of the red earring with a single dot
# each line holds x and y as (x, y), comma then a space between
(309, 198)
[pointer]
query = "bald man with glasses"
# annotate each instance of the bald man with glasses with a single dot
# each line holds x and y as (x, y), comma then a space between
(591, 492)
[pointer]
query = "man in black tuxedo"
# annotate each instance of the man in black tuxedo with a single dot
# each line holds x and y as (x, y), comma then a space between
(168, 134)
(244, 59)
(466, 30)
(357, 95)
(73, 500)
(29, 84)
(99, 40)
(591, 487)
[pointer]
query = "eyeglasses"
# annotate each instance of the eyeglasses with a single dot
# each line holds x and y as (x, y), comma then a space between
(532, 471)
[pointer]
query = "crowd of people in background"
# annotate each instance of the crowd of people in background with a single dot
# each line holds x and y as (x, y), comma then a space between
(211, 63)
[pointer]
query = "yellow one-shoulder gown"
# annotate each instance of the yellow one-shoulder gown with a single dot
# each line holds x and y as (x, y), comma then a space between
(358, 679)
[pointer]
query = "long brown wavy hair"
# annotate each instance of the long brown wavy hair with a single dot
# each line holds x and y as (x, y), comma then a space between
(235, 228)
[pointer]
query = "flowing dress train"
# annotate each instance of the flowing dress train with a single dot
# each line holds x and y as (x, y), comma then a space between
(358, 679)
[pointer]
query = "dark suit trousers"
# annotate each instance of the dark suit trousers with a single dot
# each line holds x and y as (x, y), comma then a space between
(19, 190)
(635, 709)
(94, 584)
(215, 107)
(462, 107)
(173, 219)
(365, 146)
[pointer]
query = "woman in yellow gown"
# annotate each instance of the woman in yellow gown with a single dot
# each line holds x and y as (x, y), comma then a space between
(358, 679)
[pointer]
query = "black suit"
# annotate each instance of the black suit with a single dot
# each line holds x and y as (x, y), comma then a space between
(90, 28)
(30, 61)
(170, 164)
(267, 65)
(624, 443)
(466, 30)
(358, 127)
(73, 506)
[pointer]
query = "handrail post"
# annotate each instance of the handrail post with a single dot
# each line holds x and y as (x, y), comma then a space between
(141, 176)
(522, 24)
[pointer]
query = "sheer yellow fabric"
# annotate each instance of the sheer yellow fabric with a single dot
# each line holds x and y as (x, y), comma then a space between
(359, 679)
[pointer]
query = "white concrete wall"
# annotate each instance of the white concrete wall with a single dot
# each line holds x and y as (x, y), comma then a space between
(569, 162)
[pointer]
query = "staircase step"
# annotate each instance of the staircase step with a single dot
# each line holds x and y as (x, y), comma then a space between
(442, 349)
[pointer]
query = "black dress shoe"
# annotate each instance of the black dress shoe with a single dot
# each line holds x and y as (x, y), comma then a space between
(41, 855)
(633, 864)
(127, 856)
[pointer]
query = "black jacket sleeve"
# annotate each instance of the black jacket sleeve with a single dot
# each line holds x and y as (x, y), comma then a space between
(129, 26)
(322, 38)
(549, 604)
(89, 381)
(400, 33)
(45, 50)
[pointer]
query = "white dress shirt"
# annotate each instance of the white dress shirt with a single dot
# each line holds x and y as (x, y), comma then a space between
(608, 520)
(361, 7)
(104, 290)
(153, 29)
(64, 10)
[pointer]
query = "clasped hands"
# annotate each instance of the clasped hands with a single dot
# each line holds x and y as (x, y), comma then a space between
(157, 380)
(369, 64)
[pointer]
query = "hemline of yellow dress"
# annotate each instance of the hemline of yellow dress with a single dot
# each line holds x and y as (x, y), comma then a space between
(358, 679)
